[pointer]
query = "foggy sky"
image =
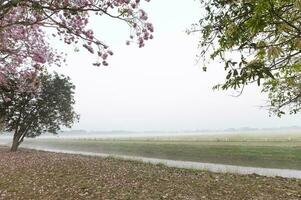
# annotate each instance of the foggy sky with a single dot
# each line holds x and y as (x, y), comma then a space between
(161, 86)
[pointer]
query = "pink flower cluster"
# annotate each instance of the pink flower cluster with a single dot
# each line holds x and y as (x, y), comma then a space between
(71, 19)
(23, 41)
(14, 81)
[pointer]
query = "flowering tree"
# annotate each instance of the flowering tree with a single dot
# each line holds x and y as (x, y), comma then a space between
(34, 102)
(24, 46)
(23, 40)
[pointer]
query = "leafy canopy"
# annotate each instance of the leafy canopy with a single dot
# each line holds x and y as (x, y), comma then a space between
(44, 106)
(258, 41)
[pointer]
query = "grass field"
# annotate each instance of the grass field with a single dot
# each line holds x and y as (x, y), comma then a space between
(29, 174)
(273, 152)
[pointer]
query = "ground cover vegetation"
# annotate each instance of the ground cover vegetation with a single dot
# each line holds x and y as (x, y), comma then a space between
(30, 174)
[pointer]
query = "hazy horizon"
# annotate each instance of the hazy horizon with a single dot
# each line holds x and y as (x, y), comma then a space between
(230, 129)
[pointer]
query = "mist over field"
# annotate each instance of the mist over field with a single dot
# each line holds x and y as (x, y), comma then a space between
(245, 131)
(240, 133)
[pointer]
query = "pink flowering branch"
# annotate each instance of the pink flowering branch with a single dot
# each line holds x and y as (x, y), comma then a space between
(23, 42)
(22, 22)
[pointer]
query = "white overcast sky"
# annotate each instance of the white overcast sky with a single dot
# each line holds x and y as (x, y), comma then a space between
(159, 87)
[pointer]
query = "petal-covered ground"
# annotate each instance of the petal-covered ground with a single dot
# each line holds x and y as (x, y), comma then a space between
(29, 174)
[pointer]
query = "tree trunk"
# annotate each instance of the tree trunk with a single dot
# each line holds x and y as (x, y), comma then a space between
(15, 144)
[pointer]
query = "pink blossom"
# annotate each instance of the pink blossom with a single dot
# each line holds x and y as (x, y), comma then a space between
(24, 45)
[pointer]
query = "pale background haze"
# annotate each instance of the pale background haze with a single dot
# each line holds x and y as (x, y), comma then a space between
(161, 86)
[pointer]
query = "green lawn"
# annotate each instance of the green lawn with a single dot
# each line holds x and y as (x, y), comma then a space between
(277, 154)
